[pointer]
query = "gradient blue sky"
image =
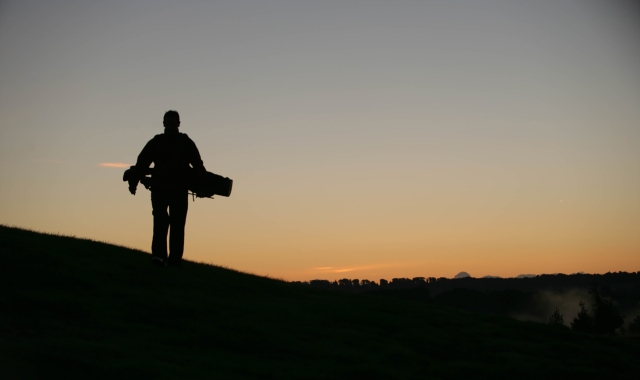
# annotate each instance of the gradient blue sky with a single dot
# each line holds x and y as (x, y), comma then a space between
(369, 138)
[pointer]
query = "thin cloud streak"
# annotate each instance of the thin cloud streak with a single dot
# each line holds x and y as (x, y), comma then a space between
(361, 268)
(119, 165)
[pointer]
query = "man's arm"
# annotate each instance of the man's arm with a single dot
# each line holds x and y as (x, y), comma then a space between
(194, 157)
(145, 158)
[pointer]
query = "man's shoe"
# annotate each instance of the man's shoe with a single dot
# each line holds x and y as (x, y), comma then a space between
(158, 262)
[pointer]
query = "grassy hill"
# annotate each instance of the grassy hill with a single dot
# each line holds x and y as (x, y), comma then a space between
(78, 308)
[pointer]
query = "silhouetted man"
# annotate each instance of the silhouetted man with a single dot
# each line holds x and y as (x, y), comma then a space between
(172, 152)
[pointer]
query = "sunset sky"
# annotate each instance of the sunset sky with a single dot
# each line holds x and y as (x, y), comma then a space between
(366, 139)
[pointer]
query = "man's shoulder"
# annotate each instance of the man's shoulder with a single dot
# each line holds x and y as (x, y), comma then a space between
(154, 141)
(186, 138)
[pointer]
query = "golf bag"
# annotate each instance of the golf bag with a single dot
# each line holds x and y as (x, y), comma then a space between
(201, 185)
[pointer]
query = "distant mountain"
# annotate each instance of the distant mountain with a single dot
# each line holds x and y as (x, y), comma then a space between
(525, 275)
(462, 275)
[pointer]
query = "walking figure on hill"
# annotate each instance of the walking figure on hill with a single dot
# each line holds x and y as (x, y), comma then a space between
(171, 152)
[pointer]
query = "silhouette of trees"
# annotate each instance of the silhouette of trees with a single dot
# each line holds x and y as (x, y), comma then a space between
(321, 284)
(605, 319)
(556, 319)
(617, 293)
(400, 283)
(626, 296)
(634, 326)
(583, 322)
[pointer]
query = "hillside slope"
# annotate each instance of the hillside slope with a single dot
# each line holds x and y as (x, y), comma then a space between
(76, 308)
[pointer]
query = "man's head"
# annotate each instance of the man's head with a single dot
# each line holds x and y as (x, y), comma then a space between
(171, 119)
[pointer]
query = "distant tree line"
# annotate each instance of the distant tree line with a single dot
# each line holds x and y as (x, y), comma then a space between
(623, 286)
(615, 294)
(359, 286)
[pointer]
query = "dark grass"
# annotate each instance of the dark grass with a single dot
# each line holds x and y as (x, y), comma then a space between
(77, 308)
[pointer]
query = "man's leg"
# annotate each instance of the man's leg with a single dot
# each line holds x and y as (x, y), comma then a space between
(159, 202)
(178, 206)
